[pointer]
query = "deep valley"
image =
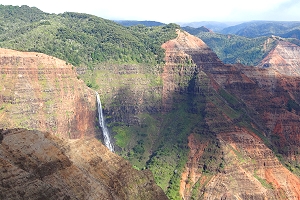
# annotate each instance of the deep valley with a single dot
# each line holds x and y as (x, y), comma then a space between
(189, 119)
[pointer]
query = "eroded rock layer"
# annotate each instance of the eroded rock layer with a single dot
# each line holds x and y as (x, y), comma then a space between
(284, 58)
(37, 165)
(248, 110)
(43, 92)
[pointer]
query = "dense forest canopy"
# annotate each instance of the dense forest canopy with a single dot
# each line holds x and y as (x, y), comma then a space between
(254, 29)
(87, 40)
(238, 49)
(81, 39)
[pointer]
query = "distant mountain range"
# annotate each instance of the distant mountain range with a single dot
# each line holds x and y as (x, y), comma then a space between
(252, 29)
(249, 42)
(212, 25)
(195, 31)
(134, 23)
(265, 28)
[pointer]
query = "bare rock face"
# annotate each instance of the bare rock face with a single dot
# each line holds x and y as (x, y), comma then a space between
(247, 110)
(44, 93)
(181, 68)
(284, 58)
(37, 165)
(251, 166)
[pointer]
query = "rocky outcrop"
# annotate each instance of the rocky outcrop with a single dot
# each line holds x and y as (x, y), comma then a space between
(181, 74)
(42, 92)
(37, 165)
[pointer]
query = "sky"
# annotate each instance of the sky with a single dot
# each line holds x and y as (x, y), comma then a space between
(168, 11)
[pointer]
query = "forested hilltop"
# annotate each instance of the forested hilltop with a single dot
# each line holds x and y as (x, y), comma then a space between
(247, 43)
(81, 39)
(237, 49)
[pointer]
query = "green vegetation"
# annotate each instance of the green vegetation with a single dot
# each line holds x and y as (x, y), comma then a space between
(263, 182)
(122, 136)
(293, 166)
(195, 190)
(135, 23)
(237, 49)
(238, 112)
(124, 64)
(254, 29)
(195, 31)
(233, 49)
(81, 39)
(232, 100)
(159, 141)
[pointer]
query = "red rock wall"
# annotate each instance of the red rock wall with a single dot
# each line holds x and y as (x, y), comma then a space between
(250, 170)
(42, 92)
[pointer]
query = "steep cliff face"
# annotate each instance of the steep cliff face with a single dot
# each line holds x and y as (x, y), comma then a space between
(251, 166)
(246, 110)
(274, 99)
(180, 71)
(37, 165)
(284, 58)
(43, 92)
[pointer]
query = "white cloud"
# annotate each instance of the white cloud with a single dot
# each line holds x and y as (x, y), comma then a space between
(174, 11)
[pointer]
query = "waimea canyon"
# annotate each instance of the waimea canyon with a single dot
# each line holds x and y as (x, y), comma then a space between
(232, 131)
(248, 110)
(40, 92)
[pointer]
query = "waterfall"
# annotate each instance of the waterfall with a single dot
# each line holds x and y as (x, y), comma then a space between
(106, 136)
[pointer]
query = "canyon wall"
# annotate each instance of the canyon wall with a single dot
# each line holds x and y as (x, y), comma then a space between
(42, 92)
(205, 129)
(284, 58)
(248, 110)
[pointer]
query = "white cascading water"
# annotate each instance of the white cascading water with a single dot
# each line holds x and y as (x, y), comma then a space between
(102, 124)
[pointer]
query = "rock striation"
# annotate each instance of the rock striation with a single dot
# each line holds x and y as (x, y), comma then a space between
(37, 165)
(248, 110)
(284, 58)
(42, 92)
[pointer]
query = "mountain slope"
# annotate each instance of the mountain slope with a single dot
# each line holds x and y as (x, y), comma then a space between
(212, 25)
(228, 127)
(201, 109)
(36, 165)
(196, 31)
(233, 49)
(42, 92)
(284, 59)
(261, 28)
(80, 39)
